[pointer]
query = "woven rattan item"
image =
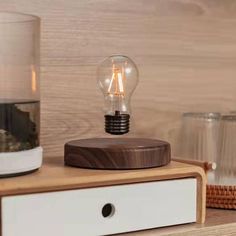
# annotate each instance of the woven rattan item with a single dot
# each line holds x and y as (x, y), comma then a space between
(219, 196)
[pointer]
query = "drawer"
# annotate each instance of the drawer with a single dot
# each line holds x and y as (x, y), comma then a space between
(100, 211)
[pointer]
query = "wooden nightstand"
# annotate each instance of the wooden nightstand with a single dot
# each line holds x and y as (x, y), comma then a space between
(65, 201)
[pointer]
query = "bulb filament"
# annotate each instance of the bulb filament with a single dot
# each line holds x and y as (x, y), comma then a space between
(116, 86)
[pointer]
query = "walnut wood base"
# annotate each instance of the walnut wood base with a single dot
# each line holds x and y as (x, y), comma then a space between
(117, 153)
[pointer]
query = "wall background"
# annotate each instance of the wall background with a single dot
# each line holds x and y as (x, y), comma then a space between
(185, 51)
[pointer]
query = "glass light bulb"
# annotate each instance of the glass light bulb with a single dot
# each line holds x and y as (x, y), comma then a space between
(117, 78)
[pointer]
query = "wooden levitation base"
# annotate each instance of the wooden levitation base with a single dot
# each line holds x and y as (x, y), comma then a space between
(117, 153)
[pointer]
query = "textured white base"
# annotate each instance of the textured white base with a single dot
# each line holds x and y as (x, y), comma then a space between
(79, 212)
(22, 161)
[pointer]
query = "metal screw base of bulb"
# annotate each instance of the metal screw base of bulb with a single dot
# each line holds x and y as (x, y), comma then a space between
(117, 124)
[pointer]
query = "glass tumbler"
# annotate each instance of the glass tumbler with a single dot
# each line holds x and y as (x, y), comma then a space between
(199, 138)
(226, 162)
(20, 151)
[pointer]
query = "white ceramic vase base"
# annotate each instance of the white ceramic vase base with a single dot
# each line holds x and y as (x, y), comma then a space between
(19, 163)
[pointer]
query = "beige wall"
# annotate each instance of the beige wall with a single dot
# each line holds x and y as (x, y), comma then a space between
(185, 51)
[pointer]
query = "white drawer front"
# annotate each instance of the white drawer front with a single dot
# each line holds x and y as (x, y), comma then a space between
(79, 212)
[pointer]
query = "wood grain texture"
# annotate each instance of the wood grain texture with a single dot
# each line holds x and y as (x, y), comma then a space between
(207, 166)
(53, 176)
(185, 51)
(117, 153)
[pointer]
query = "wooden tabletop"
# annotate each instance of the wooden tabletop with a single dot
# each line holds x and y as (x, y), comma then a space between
(55, 176)
(218, 223)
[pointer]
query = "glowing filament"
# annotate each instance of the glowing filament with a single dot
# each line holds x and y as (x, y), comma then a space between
(117, 82)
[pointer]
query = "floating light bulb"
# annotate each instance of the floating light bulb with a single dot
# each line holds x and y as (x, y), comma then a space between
(117, 78)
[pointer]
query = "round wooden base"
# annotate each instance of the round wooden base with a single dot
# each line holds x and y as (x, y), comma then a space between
(117, 153)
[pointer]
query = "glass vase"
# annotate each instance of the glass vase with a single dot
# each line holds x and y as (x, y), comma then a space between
(20, 151)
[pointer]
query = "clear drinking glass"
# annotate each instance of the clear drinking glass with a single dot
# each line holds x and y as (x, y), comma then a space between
(199, 138)
(19, 93)
(226, 161)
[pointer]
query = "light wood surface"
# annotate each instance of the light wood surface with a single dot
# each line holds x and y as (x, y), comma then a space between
(54, 176)
(185, 51)
(218, 223)
(207, 166)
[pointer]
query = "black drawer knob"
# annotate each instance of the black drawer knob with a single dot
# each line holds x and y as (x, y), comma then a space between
(108, 210)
